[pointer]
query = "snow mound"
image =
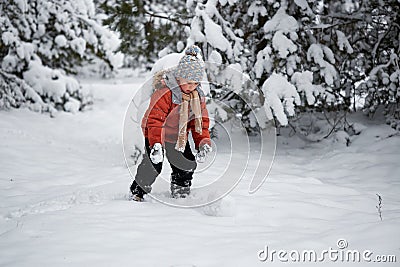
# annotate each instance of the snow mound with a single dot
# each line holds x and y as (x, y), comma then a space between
(225, 207)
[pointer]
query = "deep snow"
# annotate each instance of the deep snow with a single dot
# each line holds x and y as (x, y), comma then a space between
(64, 184)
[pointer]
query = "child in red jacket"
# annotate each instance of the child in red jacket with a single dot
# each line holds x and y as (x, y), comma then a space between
(176, 107)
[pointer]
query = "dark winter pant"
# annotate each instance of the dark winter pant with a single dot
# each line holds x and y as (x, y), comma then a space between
(182, 165)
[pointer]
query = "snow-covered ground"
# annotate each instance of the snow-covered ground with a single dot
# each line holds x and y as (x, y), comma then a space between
(64, 184)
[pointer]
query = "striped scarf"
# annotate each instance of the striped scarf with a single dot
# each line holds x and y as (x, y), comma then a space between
(191, 100)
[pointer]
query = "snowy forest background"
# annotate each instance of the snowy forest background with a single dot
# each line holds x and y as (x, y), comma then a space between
(325, 73)
(298, 57)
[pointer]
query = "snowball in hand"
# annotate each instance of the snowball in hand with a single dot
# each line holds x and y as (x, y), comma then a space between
(202, 154)
(156, 154)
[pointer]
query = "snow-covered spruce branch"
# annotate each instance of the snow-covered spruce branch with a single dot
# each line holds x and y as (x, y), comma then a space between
(227, 27)
(24, 90)
(209, 10)
(90, 23)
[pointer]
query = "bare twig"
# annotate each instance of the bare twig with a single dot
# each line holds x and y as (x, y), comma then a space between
(380, 38)
(335, 124)
(327, 119)
(379, 206)
(170, 18)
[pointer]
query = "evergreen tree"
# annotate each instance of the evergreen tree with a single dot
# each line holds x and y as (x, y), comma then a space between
(148, 29)
(300, 55)
(364, 37)
(322, 48)
(41, 42)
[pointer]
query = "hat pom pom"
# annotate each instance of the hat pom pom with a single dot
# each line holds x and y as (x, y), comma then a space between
(193, 50)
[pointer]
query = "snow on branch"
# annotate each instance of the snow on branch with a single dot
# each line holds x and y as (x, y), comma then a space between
(283, 44)
(303, 82)
(280, 98)
(281, 22)
(343, 42)
(317, 53)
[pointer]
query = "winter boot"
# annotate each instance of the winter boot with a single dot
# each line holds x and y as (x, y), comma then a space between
(180, 184)
(137, 192)
(179, 191)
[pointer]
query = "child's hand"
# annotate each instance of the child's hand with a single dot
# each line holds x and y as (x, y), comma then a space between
(202, 154)
(156, 154)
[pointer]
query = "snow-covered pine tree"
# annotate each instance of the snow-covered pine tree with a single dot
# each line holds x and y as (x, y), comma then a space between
(323, 49)
(276, 61)
(218, 28)
(363, 36)
(273, 48)
(43, 41)
(302, 54)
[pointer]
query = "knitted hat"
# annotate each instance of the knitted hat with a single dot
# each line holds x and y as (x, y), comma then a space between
(191, 66)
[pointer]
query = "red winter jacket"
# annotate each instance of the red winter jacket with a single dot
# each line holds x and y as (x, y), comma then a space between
(160, 123)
